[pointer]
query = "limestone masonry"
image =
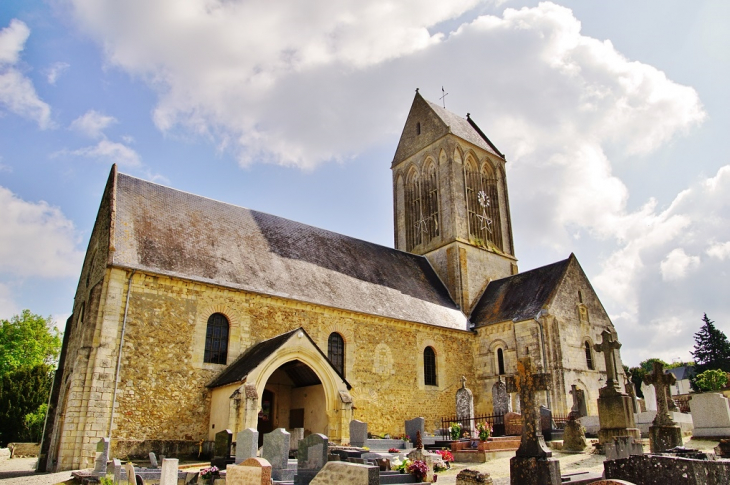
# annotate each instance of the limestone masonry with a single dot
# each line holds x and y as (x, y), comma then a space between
(195, 316)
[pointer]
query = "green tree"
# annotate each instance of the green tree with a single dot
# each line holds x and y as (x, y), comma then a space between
(648, 364)
(23, 391)
(711, 380)
(28, 340)
(712, 349)
(636, 374)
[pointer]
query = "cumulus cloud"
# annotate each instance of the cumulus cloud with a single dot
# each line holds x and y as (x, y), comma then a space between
(677, 264)
(8, 308)
(108, 151)
(36, 240)
(719, 250)
(17, 93)
(55, 71)
(92, 123)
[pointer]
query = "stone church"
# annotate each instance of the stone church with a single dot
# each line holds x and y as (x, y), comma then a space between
(192, 315)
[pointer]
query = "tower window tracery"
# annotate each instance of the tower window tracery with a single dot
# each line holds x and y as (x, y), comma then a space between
(482, 198)
(422, 206)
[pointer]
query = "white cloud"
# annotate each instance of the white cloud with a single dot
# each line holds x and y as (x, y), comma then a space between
(92, 123)
(17, 93)
(677, 264)
(719, 250)
(36, 239)
(55, 71)
(8, 308)
(108, 151)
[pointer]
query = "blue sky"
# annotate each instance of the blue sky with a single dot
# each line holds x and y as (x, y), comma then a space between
(613, 115)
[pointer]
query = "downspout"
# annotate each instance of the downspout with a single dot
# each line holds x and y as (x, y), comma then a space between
(539, 315)
(119, 354)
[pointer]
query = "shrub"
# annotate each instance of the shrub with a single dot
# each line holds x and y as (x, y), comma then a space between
(711, 380)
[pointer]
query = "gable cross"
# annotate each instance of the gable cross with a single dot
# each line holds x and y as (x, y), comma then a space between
(661, 382)
(527, 382)
(608, 345)
(443, 98)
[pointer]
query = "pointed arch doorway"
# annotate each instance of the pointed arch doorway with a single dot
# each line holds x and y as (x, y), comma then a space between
(284, 382)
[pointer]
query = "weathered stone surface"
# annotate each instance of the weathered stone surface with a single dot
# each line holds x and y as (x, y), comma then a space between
(578, 410)
(153, 460)
(276, 448)
(342, 472)
(102, 456)
(426, 457)
(252, 471)
(117, 470)
(623, 447)
(464, 407)
(223, 440)
(247, 444)
(501, 402)
(311, 457)
(297, 435)
(611, 482)
(665, 470)
(528, 383)
(574, 438)
(131, 475)
(358, 433)
(413, 426)
(723, 448)
(546, 423)
(168, 475)
(649, 396)
(664, 433)
(534, 471)
(711, 415)
(513, 424)
(473, 477)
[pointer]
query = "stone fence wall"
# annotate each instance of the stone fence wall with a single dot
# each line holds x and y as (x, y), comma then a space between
(22, 450)
(169, 448)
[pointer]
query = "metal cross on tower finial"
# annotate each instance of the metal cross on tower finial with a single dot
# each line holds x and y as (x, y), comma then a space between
(443, 98)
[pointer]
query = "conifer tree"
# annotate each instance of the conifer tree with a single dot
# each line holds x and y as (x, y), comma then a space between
(712, 349)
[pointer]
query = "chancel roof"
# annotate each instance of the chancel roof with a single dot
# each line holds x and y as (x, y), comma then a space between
(169, 232)
(519, 297)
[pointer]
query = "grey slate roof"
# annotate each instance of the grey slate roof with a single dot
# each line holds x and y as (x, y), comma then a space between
(249, 360)
(683, 372)
(520, 296)
(462, 128)
(169, 232)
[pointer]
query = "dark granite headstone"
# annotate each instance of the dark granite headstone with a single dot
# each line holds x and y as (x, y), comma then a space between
(546, 423)
(311, 457)
(222, 449)
(413, 426)
(276, 451)
(358, 433)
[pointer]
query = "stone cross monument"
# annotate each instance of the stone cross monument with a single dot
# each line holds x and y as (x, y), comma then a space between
(664, 433)
(615, 409)
(631, 391)
(532, 463)
(465, 407)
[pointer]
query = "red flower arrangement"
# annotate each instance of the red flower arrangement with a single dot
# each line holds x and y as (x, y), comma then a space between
(418, 469)
(393, 450)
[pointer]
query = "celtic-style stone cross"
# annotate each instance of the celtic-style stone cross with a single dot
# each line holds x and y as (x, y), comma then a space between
(575, 410)
(661, 382)
(527, 382)
(608, 346)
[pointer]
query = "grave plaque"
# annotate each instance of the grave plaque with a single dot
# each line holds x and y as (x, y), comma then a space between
(276, 448)
(168, 475)
(532, 463)
(247, 444)
(311, 457)
(413, 426)
(359, 433)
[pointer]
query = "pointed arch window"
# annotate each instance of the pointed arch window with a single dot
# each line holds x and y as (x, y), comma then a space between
(482, 199)
(414, 211)
(589, 356)
(216, 339)
(336, 352)
(429, 366)
(431, 200)
(422, 206)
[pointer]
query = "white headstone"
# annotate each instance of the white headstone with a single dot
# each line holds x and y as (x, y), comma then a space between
(168, 476)
(710, 414)
(649, 396)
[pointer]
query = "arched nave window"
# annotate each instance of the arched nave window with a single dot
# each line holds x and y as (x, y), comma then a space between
(429, 366)
(216, 339)
(336, 351)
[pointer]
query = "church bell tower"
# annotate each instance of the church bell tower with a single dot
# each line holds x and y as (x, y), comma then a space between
(450, 201)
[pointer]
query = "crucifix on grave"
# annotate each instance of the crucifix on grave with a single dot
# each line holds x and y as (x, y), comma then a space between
(608, 345)
(532, 463)
(664, 433)
(575, 411)
(527, 383)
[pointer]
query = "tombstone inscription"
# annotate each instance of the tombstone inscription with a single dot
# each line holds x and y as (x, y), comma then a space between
(533, 463)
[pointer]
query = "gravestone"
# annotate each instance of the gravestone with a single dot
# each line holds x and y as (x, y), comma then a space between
(473, 477)
(426, 457)
(311, 457)
(276, 451)
(131, 475)
(168, 475)
(710, 415)
(359, 433)
(649, 396)
(222, 449)
(117, 470)
(546, 423)
(342, 472)
(247, 444)
(413, 426)
(252, 471)
(574, 436)
(500, 398)
(533, 463)
(631, 391)
(465, 408)
(297, 435)
(623, 447)
(102, 456)
(579, 408)
(153, 460)
(664, 433)
(615, 409)
(513, 424)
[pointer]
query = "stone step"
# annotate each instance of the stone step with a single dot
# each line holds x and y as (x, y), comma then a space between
(392, 478)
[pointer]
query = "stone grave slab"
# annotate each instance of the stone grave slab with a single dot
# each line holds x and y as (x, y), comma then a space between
(102, 456)
(666, 470)
(297, 435)
(153, 460)
(473, 477)
(711, 415)
(276, 451)
(501, 402)
(413, 426)
(131, 474)
(252, 471)
(311, 457)
(168, 476)
(358, 433)
(464, 408)
(623, 447)
(117, 470)
(336, 472)
(222, 449)
(247, 444)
